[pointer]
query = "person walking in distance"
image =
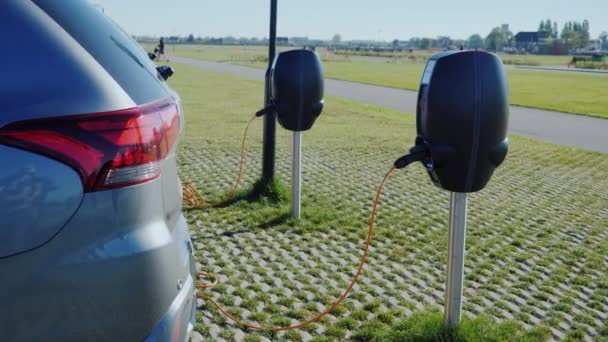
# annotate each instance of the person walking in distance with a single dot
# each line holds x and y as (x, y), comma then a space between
(161, 48)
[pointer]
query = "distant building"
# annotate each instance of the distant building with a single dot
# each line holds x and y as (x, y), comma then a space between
(282, 41)
(298, 40)
(529, 41)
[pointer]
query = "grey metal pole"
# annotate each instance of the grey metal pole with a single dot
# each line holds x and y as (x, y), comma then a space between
(296, 172)
(457, 235)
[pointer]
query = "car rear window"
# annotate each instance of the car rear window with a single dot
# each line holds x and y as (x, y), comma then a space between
(116, 51)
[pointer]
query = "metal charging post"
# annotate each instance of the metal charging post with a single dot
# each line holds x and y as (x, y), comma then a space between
(457, 235)
(296, 172)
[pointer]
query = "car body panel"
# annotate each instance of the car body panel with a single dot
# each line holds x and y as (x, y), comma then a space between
(110, 274)
(119, 54)
(46, 73)
(37, 195)
(118, 266)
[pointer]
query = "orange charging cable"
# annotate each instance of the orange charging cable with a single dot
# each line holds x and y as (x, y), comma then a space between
(215, 279)
(196, 200)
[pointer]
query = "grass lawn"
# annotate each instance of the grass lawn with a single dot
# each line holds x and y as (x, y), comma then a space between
(537, 244)
(545, 60)
(578, 93)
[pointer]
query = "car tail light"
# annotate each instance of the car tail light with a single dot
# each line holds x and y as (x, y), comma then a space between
(108, 150)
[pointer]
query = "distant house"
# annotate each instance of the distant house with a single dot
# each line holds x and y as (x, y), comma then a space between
(529, 41)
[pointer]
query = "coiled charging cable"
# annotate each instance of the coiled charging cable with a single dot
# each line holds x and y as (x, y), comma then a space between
(215, 279)
(196, 200)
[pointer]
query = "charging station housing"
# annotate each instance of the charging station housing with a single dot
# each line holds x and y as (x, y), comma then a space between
(462, 118)
(297, 87)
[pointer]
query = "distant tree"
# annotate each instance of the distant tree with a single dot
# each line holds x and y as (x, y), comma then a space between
(337, 39)
(395, 43)
(443, 41)
(554, 32)
(603, 37)
(475, 42)
(229, 40)
(584, 35)
(575, 34)
(425, 43)
(548, 27)
(496, 39)
(190, 38)
(415, 42)
(541, 26)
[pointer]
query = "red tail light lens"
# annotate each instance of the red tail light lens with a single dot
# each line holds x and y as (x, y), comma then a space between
(108, 150)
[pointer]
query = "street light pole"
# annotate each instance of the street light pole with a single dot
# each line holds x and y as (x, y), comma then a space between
(268, 153)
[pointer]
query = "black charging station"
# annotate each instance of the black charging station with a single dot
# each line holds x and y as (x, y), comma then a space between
(462, 118)
(296, 79)
(296, 97)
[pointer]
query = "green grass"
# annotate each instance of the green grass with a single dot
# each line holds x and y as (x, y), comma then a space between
(544, 60)
(560, 91)
(546, 202)
(420, 55)
(577, 93)
(429, 326)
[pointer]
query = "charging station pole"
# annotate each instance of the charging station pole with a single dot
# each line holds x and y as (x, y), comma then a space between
(457, 235)
(296, 172)
(297, 98)
(268, 153)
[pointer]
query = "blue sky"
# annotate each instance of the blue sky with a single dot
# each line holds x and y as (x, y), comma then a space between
(352, 19)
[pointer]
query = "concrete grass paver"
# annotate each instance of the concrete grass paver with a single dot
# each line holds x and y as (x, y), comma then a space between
(508, 274)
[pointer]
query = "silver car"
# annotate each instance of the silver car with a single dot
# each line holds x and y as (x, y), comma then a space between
(93, 243)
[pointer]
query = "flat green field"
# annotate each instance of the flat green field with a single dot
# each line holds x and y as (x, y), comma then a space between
(544, 60)
(537, 244)
(569, 92)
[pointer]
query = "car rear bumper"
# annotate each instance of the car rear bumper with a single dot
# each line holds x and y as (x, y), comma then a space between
(118, 270)
(179, 320)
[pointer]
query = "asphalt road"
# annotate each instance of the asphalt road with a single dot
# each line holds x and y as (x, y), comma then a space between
(561, 68)
(560, 128)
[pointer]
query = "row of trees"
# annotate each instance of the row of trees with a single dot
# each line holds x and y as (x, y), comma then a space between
(548, 28)
(573, 35)
(494, 41)
(498, 38)
(441, 42)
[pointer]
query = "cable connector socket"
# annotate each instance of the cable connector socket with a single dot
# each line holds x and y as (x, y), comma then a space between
(264, 111)
(417, 153)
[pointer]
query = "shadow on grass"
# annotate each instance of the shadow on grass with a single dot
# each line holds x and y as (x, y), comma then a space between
(277, 221)
(268, 192)
(270, 223)
(271, 191)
